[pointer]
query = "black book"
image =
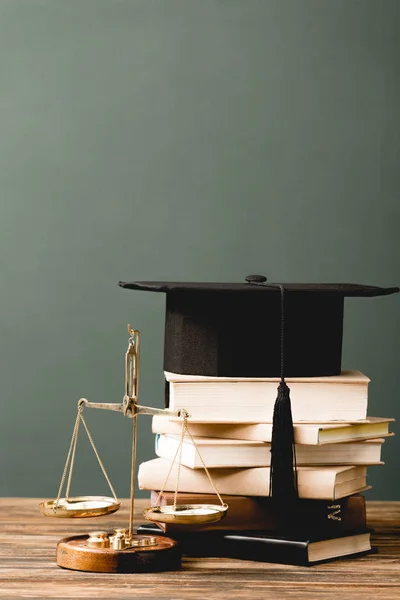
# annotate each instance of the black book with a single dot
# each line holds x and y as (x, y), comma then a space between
(299, 549)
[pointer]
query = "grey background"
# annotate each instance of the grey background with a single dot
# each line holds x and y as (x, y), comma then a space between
(183, 140)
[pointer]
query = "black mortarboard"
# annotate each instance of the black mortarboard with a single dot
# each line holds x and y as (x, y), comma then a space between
(258, 329)
(234, 329)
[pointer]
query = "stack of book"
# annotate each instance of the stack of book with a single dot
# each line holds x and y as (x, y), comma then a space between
(230, 420)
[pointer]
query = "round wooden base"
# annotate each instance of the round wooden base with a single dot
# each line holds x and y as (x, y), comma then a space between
(72, 553)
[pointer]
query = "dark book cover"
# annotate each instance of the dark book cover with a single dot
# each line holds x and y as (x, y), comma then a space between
(263, 546)
(248, 513)
(299, 549)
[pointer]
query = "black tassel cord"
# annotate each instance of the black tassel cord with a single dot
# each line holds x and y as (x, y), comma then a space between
(283, 479)
(283, 486)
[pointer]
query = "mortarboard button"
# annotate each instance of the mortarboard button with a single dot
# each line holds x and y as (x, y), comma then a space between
(256, 279)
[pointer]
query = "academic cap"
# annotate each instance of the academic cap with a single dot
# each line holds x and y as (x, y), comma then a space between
(234, 329)
(259, 329)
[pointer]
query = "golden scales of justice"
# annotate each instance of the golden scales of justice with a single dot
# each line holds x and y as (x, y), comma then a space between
(122, 550)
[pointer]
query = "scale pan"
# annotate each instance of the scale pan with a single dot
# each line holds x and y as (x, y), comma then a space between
(186, 514)
(80, 506)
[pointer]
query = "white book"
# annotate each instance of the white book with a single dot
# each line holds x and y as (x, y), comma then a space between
(304, 433)
(218, 453)
(318, 483)
(225, 399)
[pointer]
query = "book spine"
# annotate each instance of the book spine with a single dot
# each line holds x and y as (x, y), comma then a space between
(287, 552)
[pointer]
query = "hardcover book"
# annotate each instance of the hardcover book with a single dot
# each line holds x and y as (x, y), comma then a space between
(304, 433)
(319, 483)
(227, 399)
(250, 513)
(222, 453)
(302, 549)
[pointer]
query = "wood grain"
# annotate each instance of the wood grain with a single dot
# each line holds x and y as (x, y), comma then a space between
(28, 569)
(72, 553)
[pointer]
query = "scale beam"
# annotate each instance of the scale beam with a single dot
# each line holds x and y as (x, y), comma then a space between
(130, 408)
(83, 402)
(148, 410)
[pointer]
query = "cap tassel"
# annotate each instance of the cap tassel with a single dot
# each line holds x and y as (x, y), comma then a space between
(283, 471)
(283, 481)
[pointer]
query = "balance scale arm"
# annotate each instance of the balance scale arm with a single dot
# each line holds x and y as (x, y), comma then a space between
(130, 408)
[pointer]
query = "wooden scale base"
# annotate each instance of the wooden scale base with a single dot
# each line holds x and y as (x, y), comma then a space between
(74, 554)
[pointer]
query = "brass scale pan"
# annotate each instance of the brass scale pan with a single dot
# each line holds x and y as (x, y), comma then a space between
(80, 506)
(96, 506)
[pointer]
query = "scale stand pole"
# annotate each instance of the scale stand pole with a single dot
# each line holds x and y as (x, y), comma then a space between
(133, 471)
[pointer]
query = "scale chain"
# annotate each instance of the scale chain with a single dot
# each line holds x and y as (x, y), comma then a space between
(170, 469)
(74, 433)
(205, 468)
(98, 457)
(72, 463)
(185, 428)
(71, 459)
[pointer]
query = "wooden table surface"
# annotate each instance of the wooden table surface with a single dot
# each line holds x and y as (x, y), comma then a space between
(28, 569)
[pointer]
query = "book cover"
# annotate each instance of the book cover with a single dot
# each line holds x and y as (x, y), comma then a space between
(255, 513)
(301, 548)
(318, 483)
(222, 452)
(304, 433)
(225, 399)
